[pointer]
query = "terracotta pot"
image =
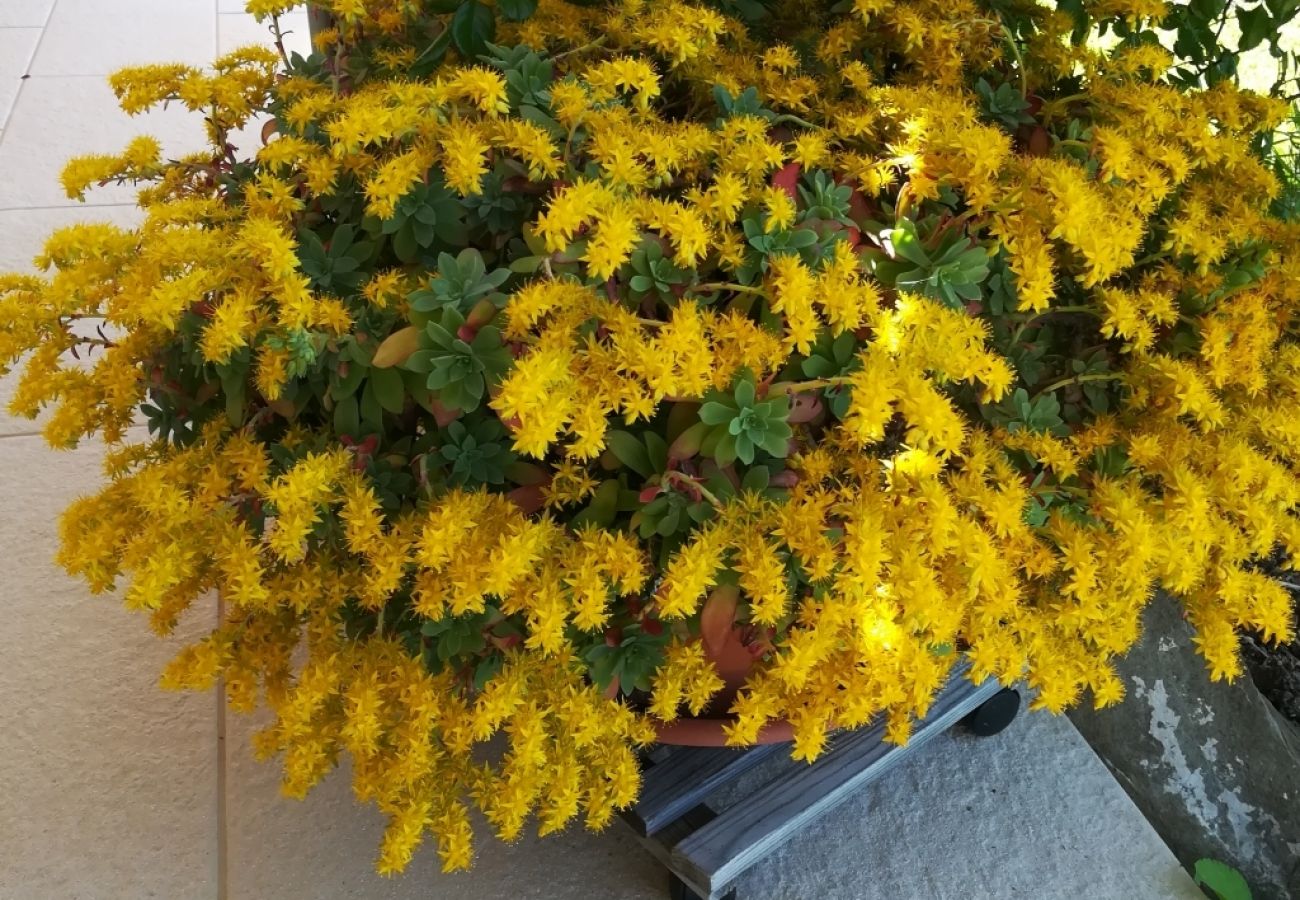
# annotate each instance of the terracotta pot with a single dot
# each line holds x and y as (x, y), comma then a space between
(725, 647)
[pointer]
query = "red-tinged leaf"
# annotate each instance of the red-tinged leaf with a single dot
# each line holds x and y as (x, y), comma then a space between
(526, 473)
(506, 642)
(648, 494)
(528, 498)
(1035, 139)
(441, 414)
(786, 478)
(859, 206)
(483, 312)
(853, 235)
(718, 617)
(688, 442)
(652, 626)
(786, 178)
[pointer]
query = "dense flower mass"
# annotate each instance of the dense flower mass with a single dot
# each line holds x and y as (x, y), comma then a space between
(525, 333)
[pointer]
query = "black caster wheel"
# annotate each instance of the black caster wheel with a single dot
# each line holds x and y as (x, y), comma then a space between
(994, 714)
(678, 890)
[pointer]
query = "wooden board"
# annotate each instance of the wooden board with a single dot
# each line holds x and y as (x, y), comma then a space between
(708, 849)
(739, 837)
(685, 779)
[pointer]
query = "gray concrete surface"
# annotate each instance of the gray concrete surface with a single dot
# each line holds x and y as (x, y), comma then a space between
(1031, 813)
(1214, 767)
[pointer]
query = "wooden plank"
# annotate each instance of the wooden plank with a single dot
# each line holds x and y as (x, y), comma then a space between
(688, 775)
(717, 853)
(659, 845)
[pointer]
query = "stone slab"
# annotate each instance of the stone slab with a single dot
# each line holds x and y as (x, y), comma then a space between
(325, 847)
(1030, 813)
(1213, 766)
(108, 783)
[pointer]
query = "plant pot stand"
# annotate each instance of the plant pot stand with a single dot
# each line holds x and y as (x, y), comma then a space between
(706, 847)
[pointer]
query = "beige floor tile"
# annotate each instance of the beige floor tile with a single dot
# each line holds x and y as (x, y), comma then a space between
(25, 13)
(108, 783)
(58, 118)
(237, 29)
(325, 847)
(97, 37)
(22, 233)
(16, 46)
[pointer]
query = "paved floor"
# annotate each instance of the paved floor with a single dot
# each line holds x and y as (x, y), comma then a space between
(113, 789)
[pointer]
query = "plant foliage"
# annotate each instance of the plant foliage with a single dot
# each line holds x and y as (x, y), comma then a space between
(536, 339)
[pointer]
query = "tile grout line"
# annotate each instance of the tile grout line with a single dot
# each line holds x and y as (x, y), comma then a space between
(27, 74)
(57, 75)
(40, 433)
(222, 820)
(69, 205)
(223, 839)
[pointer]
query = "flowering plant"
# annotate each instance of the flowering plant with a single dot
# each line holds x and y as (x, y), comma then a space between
(533, 330)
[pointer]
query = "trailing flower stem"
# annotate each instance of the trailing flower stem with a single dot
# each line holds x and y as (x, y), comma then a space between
(1080, 379)
(816, 384)
(1020, 330)
(711, 286)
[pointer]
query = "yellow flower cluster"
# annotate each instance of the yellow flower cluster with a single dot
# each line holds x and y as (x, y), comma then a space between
(901, 531)
(409, 733)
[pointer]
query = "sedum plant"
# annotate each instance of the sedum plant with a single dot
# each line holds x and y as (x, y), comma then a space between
(531, 334)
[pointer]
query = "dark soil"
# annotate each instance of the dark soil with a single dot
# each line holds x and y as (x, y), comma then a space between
(1275, 669)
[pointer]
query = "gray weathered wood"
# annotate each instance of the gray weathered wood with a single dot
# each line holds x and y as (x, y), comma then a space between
(716, 854)
(686, 777)
(660, 844)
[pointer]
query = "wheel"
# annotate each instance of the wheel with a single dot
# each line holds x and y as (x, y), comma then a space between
(994, 714)
(678, 889)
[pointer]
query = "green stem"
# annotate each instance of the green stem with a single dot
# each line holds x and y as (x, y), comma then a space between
(591, 45)
(710, 286)
(1069, 98)
(1151, 257)
(336, 67)
(1015, 338)
(1020, 60)
(279, 40)
(690, 484)
(1058, 489)
(799, 387)
(1079, 379)
(795, 120)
